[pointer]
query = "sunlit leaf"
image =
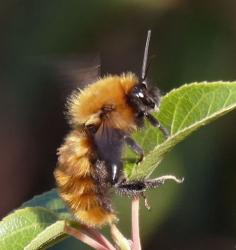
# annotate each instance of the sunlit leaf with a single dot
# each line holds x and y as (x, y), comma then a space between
(182, 111)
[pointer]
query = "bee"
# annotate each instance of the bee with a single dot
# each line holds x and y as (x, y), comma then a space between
(103, 116)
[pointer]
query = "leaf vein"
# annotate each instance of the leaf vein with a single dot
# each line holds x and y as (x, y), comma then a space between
(189, 113)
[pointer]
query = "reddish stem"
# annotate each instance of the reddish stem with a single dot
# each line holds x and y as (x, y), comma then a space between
(101, 238)
(135, 225)
(84, 238)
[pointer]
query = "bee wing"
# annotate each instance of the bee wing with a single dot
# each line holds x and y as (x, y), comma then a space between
(109, 141)
(70, 72)
(78, 71)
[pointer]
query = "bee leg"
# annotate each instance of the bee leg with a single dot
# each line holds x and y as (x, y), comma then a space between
(156, 123)
(137, 188)
(130, 188)
(134, 146)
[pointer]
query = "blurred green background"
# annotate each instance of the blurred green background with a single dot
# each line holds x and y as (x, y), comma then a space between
(192, 40)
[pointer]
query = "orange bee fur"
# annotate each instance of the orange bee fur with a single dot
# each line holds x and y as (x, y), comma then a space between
(85, 106)
(75, 170)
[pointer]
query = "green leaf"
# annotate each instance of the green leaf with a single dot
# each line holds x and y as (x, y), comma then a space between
(182, 111)
(48, 237)
(19, 228)
(50, 200)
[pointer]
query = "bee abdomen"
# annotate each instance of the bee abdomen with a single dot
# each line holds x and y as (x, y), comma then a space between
(78, 188)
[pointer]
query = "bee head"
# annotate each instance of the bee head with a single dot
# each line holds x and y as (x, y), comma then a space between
(144, 99)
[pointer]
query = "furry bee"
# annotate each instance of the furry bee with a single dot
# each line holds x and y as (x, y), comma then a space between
(103, 116)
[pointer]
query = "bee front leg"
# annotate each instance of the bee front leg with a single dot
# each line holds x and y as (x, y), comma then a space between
(156, 123)
(134, 146)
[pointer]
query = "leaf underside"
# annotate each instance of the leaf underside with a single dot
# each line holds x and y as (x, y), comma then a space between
(40, 221)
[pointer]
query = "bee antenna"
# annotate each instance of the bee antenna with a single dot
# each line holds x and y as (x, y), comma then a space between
(145, 67)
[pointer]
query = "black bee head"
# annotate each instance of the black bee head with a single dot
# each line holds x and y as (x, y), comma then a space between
(144, 99)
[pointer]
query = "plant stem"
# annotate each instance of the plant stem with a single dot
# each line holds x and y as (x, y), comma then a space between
(135, 225)
(84, 238)
(121, 242)
(101, 238)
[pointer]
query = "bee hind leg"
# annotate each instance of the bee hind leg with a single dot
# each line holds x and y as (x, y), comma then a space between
(137, 188)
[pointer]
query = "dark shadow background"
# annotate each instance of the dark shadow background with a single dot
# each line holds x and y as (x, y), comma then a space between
(192, 40)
